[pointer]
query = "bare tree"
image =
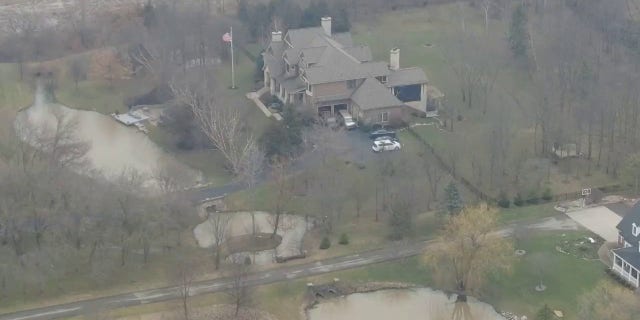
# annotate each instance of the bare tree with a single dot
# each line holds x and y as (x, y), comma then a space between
(280, 172)
(240, 293)
(223, 125)
(608, 301)
(185, 274)
(220, 223)
(78, 70)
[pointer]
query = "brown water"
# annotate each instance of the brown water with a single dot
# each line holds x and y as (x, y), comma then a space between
(404, 304)
(114, 148)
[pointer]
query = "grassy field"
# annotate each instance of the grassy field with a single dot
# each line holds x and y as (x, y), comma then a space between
(430, 38)
(566, 278)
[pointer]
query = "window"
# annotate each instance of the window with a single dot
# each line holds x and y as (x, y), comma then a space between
(635, 230)
(382, 79)
(288, 68)
(351, 84)
(618, 261)
(634, 273)
(384, 116)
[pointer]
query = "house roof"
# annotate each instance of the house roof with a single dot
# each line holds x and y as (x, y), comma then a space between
(630, 255)
(337, 64)
(273, 58)
(625, 226)
(293, 84)
(362, 53)
(407, 76)
(373, 95)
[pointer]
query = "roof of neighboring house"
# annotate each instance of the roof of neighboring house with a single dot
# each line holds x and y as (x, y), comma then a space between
(373, 95)
(407, 76)
(626, 224)
(630, 255)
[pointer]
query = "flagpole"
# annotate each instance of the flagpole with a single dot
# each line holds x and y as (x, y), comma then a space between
(233, 71)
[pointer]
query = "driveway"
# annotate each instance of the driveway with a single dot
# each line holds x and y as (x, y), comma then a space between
(600, 220)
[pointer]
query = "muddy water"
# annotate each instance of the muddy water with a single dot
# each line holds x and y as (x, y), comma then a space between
(114, 149)
(405, 304)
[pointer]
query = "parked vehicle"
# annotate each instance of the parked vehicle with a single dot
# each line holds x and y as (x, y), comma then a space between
(382, 133)
(385, 145)
(386, 138)
(346, 119)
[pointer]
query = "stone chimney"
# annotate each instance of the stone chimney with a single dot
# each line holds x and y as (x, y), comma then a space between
(326, 25)
(394, 59)
(276, 36)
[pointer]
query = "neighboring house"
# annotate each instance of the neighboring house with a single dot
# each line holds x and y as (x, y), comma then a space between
(626, 259)
(324, 71)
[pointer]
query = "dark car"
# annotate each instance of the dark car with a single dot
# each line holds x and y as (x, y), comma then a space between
(382, 133)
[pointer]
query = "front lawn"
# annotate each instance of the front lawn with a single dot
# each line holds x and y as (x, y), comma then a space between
(566, 277)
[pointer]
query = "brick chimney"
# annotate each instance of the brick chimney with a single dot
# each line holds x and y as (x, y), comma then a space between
(394, 59)
(326, 25)
(276, 36)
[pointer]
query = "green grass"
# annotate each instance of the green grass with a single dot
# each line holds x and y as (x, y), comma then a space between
(513, 213)
(565, 276)
(100, 96)
(440, 26)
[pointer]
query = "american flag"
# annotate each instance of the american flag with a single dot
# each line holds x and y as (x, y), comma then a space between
(226, 37)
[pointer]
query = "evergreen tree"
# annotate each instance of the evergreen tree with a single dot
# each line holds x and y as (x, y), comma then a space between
(243, 11)
(544, 313)
(518, 33)
(454, 201)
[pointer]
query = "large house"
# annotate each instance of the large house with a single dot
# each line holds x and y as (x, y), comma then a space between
(327, 72)
(626, 259)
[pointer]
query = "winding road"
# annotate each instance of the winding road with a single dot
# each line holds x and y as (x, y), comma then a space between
(221, 284)
(285, 273)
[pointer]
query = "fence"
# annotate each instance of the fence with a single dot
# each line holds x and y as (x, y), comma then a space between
(605, 190)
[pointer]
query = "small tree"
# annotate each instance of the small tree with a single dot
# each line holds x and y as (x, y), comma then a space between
(518, 33)
(344, 239)
(453, 200)
(325, 244)
(504, 201)
(544, 313)
(400, 220)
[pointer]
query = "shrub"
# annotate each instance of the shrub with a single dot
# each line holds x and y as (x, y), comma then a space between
(503, 201)
(518, 201)
(546, 195)
(532, 198)
(344, 239)
(325, 244)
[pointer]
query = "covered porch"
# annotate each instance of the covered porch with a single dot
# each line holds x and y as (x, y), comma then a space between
(625, 262)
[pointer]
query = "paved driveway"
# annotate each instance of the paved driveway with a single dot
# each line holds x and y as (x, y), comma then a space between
(600, 220)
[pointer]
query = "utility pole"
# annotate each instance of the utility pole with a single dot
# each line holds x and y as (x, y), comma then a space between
(228, 37)
(233, 70)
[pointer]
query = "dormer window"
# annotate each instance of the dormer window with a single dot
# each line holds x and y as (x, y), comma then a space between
(382, 79)
(635, 230)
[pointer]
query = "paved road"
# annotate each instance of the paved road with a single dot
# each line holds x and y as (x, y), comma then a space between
(398, 251)
(217, 285)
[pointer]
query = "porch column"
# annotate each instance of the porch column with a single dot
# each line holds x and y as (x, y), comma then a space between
(272, 87)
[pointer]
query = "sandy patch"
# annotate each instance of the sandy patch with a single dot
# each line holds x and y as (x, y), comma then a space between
(113, 148)
(291, 228)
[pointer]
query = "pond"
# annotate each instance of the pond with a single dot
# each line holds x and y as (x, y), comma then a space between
(112, 148)
(401, 304)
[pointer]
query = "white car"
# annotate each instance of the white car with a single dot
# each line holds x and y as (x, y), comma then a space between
(385, 145)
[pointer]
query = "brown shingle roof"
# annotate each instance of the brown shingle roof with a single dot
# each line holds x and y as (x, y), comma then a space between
(406, 76)
(373, 95)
